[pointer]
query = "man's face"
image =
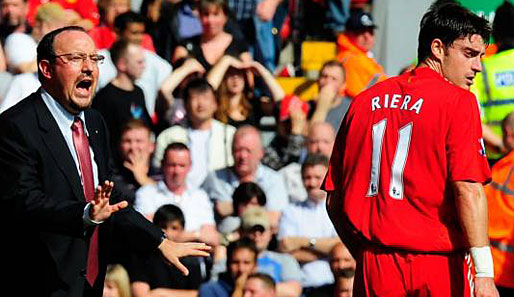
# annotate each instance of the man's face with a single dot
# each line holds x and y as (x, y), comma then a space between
(333, 76)
(136, 141)
(260, 236)
(255, 288)
(72, 82)
(321, 139)
(174, 230)
(13, 12)
(135, 61)
(201, 106)
(343, 287)
(134, 32)
(114, 9)
(461, 61)
(247, 152)
(175, 167)
(242, 262)
(340, 258)
(312, 178)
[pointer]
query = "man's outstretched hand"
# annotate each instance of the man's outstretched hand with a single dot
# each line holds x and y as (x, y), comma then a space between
(100, 209)
(173, 251)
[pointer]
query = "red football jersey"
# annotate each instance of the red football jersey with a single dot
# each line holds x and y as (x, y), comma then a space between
(400, 146)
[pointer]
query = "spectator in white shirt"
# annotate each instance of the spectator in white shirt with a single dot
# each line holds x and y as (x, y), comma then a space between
(193, 202)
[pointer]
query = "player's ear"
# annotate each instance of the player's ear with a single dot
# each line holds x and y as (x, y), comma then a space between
(437, 48)
(45, 68)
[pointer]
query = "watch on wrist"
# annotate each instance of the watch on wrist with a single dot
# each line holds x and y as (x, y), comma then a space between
(312, 243)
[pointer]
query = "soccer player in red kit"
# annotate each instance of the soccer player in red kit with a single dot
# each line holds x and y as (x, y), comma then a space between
(406, 174)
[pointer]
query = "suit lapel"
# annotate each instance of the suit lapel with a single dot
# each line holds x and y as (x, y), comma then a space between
(56, 145)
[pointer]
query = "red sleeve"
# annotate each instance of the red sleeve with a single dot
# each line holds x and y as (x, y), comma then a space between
(465, 146)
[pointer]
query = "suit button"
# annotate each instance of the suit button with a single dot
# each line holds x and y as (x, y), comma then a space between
(83, 272)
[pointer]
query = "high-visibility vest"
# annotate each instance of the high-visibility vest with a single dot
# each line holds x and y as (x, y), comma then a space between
(500, 198)
(494, 88)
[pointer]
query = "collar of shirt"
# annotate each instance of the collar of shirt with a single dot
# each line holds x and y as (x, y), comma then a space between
(161, 187)
(63, 118)
(259, 175)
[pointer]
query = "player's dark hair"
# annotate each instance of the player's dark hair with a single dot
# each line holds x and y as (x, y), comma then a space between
(196, 85)
(122, 21)
(449, 22)
(266, 279)
(45, 48)
(243, 243)
(503, 24)
(168, 213)
(313, 160)
(244, 193)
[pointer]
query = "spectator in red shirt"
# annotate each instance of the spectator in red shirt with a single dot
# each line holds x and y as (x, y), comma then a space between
(87, 9)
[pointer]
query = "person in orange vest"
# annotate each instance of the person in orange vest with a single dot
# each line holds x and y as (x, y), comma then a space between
(500, 196)
(354, 51)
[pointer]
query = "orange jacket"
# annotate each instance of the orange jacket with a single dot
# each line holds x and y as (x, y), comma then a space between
(361, 70)
(500, 197)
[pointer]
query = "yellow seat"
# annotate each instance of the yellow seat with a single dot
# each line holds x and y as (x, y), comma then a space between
(316, 53)
(304, 88)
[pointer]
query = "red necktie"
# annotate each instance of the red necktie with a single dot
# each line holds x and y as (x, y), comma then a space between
(81, 144)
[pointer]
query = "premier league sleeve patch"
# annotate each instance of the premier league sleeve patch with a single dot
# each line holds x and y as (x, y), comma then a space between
(481, 151)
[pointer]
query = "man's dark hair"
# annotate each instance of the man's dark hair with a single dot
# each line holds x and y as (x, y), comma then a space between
(45, 48)
(503, 24)
(121, 22)
(313, 160)
(244, 193)
(345, 273)
(168, 213)
(118, 50)
(243, 243)
(449, 22)
(267, 280)
(196, 85)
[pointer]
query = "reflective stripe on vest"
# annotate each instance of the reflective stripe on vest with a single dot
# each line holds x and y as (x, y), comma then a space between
(502, 246)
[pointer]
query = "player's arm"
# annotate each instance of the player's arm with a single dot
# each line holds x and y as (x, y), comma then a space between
(334, 207)
(472, 207)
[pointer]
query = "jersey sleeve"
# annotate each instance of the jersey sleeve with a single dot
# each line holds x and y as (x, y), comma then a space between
(465, 146)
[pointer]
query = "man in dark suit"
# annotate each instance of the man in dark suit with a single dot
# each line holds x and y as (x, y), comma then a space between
(57, 215)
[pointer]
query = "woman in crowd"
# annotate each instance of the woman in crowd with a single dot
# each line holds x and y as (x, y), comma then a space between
(214, 42)
(237, 103)
(117, 282)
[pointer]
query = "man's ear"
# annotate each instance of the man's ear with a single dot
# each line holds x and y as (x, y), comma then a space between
(45, 68)
(121, 64)
(437, 48)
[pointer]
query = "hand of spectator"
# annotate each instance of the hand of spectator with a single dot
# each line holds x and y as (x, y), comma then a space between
(291, 244)
(298, 118)
(265, 10)
(100, 209)
(326, 96)
(139, 164)
(173, 251)
(484, 287)
(193, 66)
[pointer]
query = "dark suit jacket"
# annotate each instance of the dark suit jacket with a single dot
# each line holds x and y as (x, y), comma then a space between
(42, 203)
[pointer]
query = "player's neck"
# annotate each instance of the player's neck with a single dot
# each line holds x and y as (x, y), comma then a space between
(432, 64)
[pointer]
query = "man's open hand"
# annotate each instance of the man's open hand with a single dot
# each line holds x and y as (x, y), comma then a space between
(173, 251)
(100, 209)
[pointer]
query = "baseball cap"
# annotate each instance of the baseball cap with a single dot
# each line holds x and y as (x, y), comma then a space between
(255, 216)
(360, 20)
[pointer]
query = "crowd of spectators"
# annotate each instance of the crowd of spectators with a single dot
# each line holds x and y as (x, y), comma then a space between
(187, 90)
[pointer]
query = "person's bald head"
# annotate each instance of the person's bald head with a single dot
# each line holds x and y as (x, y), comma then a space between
(340, 259)
(508, 131)
(320, 139)
(247, 150)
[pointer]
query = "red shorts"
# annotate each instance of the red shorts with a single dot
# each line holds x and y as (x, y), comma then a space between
(386, 273)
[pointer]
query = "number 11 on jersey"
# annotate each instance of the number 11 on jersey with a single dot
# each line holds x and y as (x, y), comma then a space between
(400, 158)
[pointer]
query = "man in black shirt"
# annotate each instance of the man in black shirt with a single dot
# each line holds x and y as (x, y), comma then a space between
(121, 100)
